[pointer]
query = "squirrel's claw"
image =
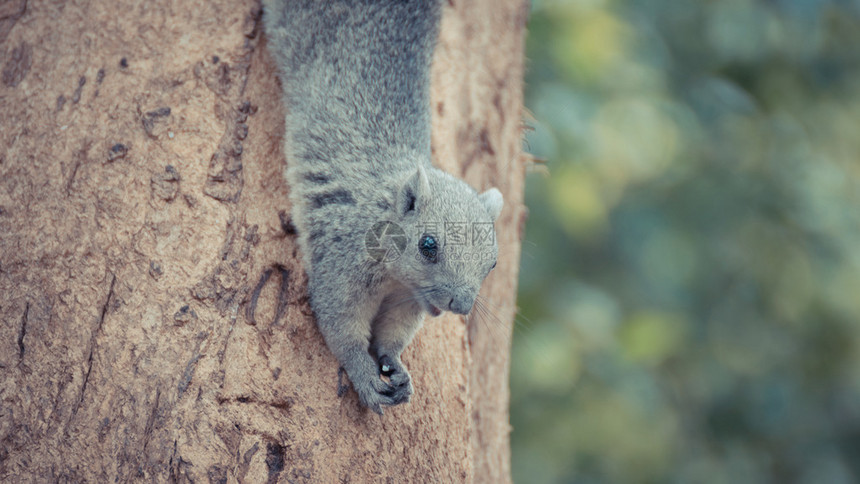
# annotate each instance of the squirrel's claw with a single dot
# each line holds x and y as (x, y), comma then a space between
(399, 379)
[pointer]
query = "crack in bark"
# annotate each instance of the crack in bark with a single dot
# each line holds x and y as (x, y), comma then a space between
(222, 352)
(284, 405)
(191, 366)
(228, 240)
(150, 421)
(188, 374)
(246, 461)
(23, 331)
(93, 346)
(54, 415)
(72, 177)
(283, 303)
(173, 474)
(255, 294)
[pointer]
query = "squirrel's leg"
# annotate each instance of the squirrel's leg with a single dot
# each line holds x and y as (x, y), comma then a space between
(346, 329)
(393, 329)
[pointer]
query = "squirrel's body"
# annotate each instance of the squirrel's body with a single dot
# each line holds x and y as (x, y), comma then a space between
(356, 91)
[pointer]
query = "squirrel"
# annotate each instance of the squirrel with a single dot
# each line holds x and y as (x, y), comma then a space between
(385, 237)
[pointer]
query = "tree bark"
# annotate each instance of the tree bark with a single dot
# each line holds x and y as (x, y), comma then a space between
(155, 325)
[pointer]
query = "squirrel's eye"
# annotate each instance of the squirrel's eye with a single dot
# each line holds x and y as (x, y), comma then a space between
(428, 247)
(494, 266)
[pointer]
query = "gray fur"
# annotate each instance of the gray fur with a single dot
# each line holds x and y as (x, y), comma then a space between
(355, 76)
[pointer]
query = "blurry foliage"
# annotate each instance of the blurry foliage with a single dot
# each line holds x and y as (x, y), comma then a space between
(691, 268)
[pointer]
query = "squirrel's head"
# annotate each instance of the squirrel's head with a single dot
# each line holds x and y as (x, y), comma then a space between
(450, 239)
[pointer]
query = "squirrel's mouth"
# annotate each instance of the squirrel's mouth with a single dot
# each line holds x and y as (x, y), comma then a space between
(428, 306)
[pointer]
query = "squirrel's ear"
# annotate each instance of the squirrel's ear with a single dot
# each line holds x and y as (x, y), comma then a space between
(493, 202)
(415, 192)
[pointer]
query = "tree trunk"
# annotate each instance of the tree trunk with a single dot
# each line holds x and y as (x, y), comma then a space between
(155, 324)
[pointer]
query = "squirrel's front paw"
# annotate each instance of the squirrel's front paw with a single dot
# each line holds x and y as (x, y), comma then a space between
(374, 393)
(398, 378)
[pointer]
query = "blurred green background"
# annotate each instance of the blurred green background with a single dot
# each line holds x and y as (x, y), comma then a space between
(690, 285)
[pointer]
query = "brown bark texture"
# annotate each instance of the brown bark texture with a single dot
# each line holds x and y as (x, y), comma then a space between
(155, 324)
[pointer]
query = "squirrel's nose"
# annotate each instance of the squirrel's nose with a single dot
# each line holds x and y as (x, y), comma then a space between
(461, 305)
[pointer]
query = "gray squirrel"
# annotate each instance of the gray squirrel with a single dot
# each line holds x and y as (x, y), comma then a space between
(385, 237)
